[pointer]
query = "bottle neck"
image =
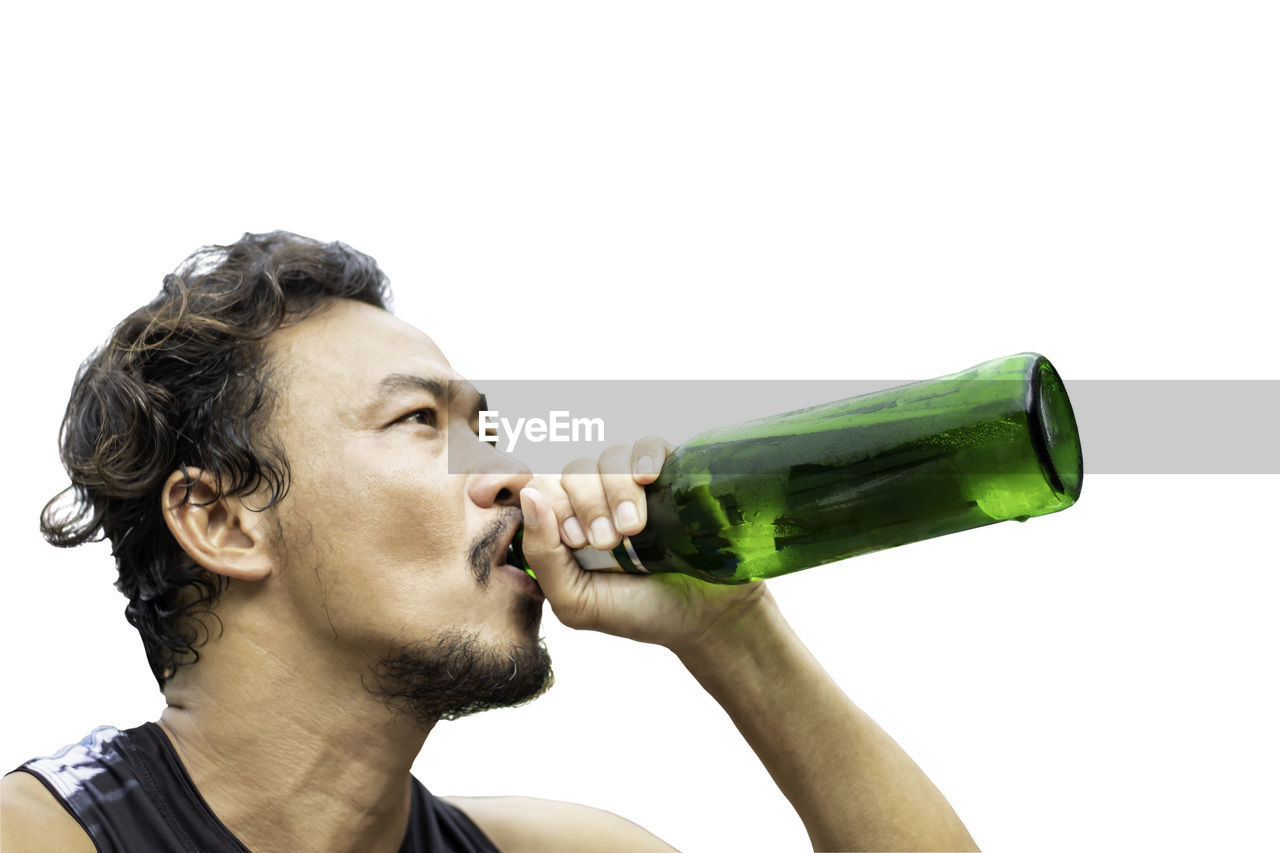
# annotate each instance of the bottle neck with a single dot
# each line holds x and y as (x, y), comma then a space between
(620, 559)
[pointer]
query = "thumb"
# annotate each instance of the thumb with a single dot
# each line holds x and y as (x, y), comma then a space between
(558, 573)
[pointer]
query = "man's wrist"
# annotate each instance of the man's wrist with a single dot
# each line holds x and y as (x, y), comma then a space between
(737, 637)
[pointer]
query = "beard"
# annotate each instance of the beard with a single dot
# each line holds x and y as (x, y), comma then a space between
(455, 675)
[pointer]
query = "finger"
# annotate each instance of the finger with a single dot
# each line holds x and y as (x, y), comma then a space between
(570, 528)
(625, 496)
(647, 456)
(581, 480)
(559, 576)
(541, 543)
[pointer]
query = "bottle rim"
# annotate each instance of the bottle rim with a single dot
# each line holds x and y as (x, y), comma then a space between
(1054, 434)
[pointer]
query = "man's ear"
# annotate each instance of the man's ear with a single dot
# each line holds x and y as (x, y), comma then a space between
(223, 535)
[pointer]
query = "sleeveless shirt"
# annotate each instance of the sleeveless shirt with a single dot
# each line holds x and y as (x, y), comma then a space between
(129, 791)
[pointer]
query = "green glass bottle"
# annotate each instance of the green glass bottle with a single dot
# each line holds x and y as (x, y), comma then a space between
(808, 487)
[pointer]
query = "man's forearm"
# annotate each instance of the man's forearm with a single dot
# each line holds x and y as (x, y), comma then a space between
(852, 786)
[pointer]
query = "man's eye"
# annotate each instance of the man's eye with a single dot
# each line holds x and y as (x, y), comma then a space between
(426, 417)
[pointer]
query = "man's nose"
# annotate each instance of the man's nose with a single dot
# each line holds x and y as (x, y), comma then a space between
(494, 478)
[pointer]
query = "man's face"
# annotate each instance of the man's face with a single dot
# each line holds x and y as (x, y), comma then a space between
(395, 563)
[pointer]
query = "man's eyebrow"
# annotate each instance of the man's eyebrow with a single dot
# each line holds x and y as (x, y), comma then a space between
(447, 390)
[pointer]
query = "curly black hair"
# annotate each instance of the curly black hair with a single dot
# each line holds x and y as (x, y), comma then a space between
(182, 384)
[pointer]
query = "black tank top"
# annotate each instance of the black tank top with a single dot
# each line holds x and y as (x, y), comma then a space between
(130, 792)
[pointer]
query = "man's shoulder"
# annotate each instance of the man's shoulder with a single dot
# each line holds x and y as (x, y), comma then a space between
(520, 824)
(32, 818)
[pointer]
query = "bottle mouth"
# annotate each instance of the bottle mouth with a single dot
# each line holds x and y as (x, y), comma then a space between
(1053, 430)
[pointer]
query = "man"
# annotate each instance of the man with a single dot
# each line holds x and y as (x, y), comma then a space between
(317, 583)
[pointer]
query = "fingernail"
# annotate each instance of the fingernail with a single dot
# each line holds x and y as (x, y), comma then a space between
(644, 465)
(601, 531)
(628, 516)
(529, 507)
(573, 532)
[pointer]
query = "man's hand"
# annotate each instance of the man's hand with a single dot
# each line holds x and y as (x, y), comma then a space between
(596, 503)
(854, 788)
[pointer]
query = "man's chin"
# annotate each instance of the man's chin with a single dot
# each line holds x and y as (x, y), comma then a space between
(455, 675)
(530, 615)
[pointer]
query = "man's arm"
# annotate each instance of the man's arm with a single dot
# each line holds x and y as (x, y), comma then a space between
(530, 825)
(851, 784)
(32, 819)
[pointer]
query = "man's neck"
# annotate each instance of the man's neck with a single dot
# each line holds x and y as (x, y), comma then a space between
(290, 761)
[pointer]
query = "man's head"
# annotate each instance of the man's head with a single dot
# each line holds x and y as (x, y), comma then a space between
(264, 445)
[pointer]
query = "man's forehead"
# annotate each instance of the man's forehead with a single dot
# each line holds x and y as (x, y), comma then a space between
(353, 348)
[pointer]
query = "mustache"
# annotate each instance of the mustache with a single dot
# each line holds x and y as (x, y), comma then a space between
(484, 551)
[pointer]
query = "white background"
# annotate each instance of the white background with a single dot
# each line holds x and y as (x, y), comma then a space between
(738, 190)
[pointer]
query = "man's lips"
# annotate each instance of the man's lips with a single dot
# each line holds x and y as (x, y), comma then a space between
(502, 553)
(505, 560)
(524, 580)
